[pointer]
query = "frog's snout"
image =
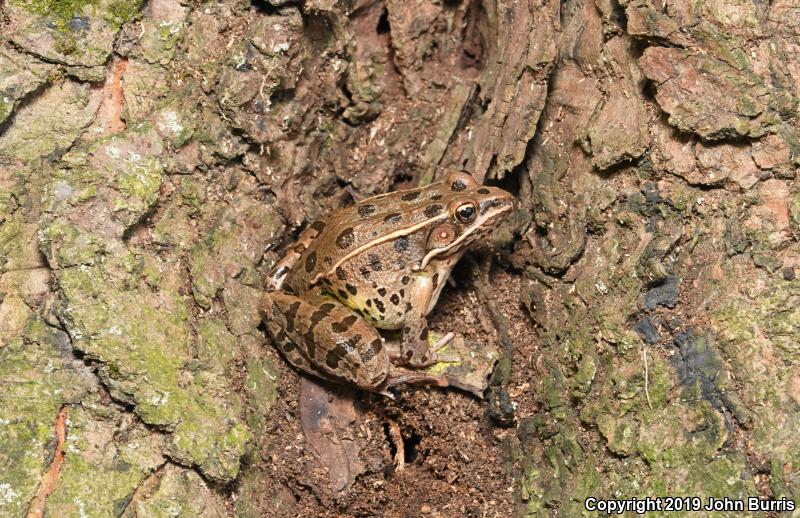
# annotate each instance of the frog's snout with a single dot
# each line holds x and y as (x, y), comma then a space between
(499, 205)
(509, 201)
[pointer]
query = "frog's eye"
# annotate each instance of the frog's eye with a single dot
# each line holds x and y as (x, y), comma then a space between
(466, 213)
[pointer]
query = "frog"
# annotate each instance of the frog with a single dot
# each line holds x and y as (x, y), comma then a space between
(377, 265)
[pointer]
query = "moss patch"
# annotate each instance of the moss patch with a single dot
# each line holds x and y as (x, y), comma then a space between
(105, 461)
(36, 384)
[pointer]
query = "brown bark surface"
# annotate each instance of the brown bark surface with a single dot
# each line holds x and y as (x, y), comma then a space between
(157, 158)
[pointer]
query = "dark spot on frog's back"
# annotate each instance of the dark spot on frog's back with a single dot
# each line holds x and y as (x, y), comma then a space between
(483, 190)
(392, 218)
(374, 262)
(409, 196)
(434, 210)
(365, 211)
(345, 239)
(401, 244)
(405, 280)
(335, 355)
(311, 262)
(364, 272)
(436, 197)
(382, 292)
(380, 306)
(341, 274)
(435, 280)
(288, 346)
(282, 337)
(352, 289)
(395, 299)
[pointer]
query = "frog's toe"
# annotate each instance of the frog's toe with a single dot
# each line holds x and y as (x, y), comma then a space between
(441, 342)
(438, 351)
(446, 357)
(385, 392)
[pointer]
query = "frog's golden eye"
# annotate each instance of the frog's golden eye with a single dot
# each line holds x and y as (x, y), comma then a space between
(466, 213)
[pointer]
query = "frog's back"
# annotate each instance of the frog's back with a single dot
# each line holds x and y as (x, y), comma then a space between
(350, 232)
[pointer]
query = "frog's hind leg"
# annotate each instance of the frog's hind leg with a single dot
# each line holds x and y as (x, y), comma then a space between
(324, 338)
(282, 267)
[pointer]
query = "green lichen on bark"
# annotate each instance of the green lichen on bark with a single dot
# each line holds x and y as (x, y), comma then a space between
(38, 380)
(126, 311)
(6, 106)
(62, 13)
(63, 111)
(179, 493)
(752, 332)
(78, 34)
(107, 458)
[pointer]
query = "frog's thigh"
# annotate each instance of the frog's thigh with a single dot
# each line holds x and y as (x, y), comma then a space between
(275, 322)
(325, 338)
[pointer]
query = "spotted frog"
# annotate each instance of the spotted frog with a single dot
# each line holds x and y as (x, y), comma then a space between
(378, 264)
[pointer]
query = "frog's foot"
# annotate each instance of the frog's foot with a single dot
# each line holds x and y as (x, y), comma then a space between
(443, 356)
(438, 350)
(441, 342)
(419, 348)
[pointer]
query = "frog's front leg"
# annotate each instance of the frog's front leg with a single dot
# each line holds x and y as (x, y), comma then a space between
(416, 350)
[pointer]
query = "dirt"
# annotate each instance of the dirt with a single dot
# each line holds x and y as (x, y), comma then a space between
(457, 461)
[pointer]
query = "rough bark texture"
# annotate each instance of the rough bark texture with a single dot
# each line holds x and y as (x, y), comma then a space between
(157, 157)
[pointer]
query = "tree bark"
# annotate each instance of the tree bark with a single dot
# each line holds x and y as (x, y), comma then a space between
(157, 158)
